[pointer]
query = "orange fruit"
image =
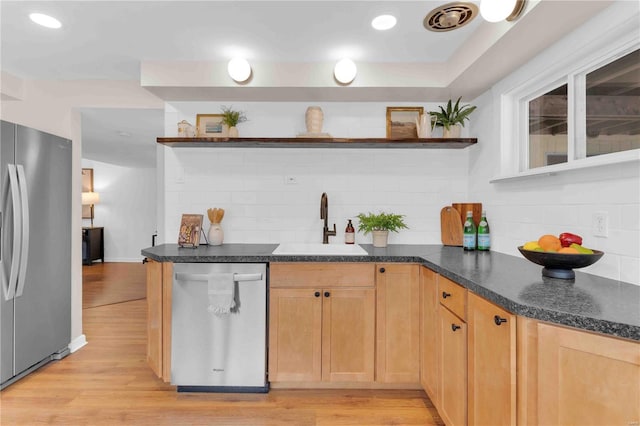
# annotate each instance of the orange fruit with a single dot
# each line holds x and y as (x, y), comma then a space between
(568, 250)
(549, 243)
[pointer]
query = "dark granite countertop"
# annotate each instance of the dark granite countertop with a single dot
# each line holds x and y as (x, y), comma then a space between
(589, 302)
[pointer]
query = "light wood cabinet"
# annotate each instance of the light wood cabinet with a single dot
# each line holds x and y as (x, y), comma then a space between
(398, 323)
(452, 398)
(159, 282)
(584, 378)
(429, 338)
(491, 373)
(319, 332)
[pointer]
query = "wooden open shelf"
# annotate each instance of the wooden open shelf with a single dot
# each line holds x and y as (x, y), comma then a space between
(200, 142)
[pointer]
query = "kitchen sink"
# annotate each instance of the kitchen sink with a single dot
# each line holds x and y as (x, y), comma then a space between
(319, 249)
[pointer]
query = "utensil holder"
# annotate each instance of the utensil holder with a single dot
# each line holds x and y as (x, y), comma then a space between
(216, 235)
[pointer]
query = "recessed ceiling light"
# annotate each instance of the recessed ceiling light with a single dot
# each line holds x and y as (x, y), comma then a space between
(383, 22)
(45, 20)
(124, 134)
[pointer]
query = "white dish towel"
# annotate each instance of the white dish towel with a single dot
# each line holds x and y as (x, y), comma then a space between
(221, 289)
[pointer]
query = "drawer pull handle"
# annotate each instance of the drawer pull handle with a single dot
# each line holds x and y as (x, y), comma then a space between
(327, 294)
(445, 294)
(317, 294)
(499, 320)
(382, 270)
(454, 327)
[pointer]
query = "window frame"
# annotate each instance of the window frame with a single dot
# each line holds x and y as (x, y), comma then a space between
(514, 111)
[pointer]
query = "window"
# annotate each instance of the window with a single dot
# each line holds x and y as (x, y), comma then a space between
(596, 112)
(613, 106)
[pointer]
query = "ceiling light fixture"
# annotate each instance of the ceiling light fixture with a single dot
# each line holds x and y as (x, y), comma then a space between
(45, 20)
(499, 10)
(384, 22)
(239, 69)
(345, 71)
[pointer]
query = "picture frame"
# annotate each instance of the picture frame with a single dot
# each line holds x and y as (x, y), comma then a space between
(190, 230)
(209, 125)
(401, 122)
(87, 186)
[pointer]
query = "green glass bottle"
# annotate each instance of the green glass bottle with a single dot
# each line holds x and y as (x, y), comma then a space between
(484, 233)
(469, 233)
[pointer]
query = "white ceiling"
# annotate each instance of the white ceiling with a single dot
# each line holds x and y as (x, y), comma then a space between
(114, 39)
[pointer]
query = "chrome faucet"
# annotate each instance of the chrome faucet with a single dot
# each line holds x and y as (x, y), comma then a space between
(324, 214)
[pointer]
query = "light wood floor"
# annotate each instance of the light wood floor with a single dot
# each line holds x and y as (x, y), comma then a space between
(108, 383)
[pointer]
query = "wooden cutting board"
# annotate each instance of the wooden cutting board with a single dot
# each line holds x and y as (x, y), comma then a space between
(450, 227)
(462, 209)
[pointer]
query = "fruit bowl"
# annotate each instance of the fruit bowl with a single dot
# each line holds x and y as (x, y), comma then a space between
(560, 265)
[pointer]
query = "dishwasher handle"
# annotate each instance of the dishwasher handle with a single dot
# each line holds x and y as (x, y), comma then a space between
(184, 276)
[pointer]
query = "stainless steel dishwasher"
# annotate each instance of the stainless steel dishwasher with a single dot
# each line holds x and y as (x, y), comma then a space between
(214, 351)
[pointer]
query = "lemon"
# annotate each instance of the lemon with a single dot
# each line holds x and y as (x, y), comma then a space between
(532, 245)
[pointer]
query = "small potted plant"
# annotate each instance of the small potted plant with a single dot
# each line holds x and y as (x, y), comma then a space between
(452, 117)
(231, 119)
(379, 225)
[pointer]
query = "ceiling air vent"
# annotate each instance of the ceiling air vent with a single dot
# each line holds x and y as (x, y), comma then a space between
(450, 16)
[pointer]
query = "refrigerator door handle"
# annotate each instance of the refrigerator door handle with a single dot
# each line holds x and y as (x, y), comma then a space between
(9, 288)
(24, 246)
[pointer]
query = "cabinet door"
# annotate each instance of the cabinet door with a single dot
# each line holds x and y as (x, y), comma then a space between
(398, 321)
(348, 335)
(584, 378)
(453, 376)
(491, 363)
(429, 342)
(154, 316)
(295, 327)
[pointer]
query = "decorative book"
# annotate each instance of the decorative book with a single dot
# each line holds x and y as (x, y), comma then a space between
(190, 228)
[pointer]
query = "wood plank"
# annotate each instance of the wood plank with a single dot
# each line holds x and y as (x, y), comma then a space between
(320, 275)
(201, 142)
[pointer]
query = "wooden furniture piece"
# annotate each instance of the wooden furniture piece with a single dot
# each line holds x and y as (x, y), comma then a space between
(159, 286)
(398, 323)
(452, 328)
(92, 244)
(429, 337)
(321, 322)
(438, 143)
(491, 366)
(569, 376)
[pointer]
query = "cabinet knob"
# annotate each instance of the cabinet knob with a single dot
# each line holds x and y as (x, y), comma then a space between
(145, 260)
(317, 294)
(445, 294)
(382, 270)
(454, 327)
(499, 320)
(327, 294)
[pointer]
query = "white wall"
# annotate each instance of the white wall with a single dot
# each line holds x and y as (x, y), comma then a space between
(521, 210)
(127, 209)
(249, 183)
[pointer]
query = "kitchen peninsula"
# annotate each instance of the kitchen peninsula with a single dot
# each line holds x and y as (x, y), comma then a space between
(593, 320)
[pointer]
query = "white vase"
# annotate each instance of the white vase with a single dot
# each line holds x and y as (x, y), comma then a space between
(380, 238)
(233, 132)
(216, 235)
(453, 131)
(313, 119)
(225, 131)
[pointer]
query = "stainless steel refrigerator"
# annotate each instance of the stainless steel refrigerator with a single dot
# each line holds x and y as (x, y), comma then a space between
(35, 250)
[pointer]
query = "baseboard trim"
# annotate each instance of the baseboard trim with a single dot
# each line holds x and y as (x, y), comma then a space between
(77, 343)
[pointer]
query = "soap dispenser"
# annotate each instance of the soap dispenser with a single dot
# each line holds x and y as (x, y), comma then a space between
(349, 234)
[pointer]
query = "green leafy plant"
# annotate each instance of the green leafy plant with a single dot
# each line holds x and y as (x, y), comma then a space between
(453, 114)
(380, 222)
(232, 118)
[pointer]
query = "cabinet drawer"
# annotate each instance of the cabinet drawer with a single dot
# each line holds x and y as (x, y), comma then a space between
(453, 296)
(321, 275)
